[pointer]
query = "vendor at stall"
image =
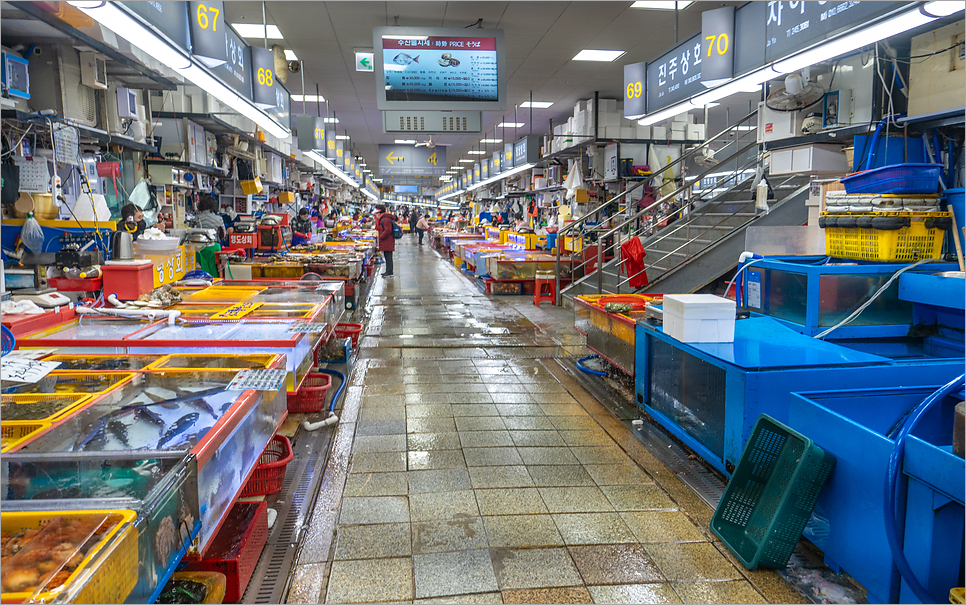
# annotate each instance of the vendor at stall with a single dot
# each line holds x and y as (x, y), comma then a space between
(302, 228)
(132, 220)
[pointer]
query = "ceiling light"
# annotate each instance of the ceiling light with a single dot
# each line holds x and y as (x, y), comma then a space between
(510, 125)
(405, 141)
(476, 152)
(405, 37)
(498, 177)
(122, 24)
(712, 104)
(290, 55)
(370, 194)
(536, 105)
(331, 120)
(308, 99)
(328, 165)
(466, 161)
(942, 9)
(598, 55)
(668, 5)
(255, 30)
(491, 140)
(342, 137)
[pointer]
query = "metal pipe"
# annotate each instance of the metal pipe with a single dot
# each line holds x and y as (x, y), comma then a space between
(264, 26)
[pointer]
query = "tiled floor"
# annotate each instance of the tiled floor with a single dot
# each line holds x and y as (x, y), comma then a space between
(464, 471)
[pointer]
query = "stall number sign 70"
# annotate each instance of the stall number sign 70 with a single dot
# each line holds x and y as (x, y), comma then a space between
(715, 42)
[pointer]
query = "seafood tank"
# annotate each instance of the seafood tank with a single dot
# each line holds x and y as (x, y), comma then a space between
(159, 487)
(186, 411)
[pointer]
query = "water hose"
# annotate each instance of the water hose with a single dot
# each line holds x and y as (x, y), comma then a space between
(583, 368)
(332, 418)
(892, 482)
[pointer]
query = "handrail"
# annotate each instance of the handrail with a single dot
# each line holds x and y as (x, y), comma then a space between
(602, 265)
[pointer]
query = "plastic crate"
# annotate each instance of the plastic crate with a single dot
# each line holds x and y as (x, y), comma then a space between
(15, 434)
(113, 561)
(897, 179)
(63, 284)
(310, 396)
(502, 288)
(236, 547)
(35, 407)
(349, 331)
(270, 470)
(771, 495)
(908, 244)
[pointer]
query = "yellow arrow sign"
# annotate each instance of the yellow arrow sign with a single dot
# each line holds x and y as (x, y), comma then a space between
(392, 157)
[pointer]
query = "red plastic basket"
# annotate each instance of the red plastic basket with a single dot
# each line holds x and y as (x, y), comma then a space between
(64, 284)
(310, 397)
(349, 331)
(235, 550)
(270, 470)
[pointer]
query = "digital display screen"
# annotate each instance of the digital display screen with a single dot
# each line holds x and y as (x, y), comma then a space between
(439, 68)
(434, 68)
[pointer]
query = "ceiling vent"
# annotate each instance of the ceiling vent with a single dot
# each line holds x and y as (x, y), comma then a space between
(432, 122)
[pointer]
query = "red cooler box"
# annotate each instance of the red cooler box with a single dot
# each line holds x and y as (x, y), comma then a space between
(128, 281)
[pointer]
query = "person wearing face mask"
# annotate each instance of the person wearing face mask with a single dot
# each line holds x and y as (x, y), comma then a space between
(132, 220)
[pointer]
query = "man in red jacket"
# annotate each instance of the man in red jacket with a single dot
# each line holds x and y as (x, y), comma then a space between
(387, 243)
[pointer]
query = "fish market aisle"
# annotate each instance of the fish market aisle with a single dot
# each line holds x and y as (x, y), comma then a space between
(470, 467)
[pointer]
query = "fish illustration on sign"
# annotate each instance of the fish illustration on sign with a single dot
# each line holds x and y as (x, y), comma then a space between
(404, 59)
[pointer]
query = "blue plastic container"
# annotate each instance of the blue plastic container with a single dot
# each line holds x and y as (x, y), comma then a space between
(898, 179)
(956, 201)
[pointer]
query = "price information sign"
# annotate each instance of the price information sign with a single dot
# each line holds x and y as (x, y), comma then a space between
(258, 380)
(440, 68)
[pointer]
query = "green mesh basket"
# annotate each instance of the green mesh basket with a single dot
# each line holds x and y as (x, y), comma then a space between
(771, 495)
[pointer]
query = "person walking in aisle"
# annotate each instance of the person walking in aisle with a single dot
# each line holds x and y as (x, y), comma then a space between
(387, 242)
(413, 220)
(422, 226)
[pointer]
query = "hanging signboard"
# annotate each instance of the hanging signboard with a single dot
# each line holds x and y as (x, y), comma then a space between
(497, 160)
(311, 133)
(267, 92)
(635, 99)
(216, 44)
(507, 162)
(330, 145)
(169, 18)
(406, 160)
(717, 47)
(339, 154)
(526, 150)
(675, 75)
(477, 174)
(791, 26)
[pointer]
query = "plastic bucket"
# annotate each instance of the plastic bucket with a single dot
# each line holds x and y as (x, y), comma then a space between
(956, 202)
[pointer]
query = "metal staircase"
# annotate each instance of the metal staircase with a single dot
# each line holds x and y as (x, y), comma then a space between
(718, 206)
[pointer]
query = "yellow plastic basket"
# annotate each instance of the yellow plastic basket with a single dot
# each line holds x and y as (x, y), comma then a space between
(14, 434)
(908, 244)
(212, 362)
(114, 564)
(37, 407)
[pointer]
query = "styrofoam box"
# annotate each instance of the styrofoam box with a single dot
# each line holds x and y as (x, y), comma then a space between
(658, 133)
(608, 105)
(642, 132)
(699, 318)
(627, 132)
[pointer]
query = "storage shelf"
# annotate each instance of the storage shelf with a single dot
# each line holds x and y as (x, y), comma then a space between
(85, 132)
(935, 119)
(189, 165)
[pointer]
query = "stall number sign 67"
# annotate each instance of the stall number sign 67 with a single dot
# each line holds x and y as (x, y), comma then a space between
(208, 16)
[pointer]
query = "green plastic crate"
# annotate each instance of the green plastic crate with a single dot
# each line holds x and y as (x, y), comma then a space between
(771, 494)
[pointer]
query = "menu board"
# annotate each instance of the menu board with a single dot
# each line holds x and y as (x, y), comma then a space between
(420, 67)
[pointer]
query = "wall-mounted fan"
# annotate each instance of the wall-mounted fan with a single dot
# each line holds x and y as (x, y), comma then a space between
(798, 93)
(430, 144)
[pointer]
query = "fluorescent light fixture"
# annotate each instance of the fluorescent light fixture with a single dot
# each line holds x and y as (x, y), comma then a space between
(502, 175)
(598, 55)
(476, 152)
(466, 161)
(405, 141)
(510, 125)
(446, 179)
(255, 30)
(667, 5)
(536, 105)
(405, 37)
(712, 105)
(342, 137)
(122, 24)
(328, 165)
(745, 127)
(309, 99)
(892, 26)
(491, 140)
(331, 120)
(290, 55)
(370, 194)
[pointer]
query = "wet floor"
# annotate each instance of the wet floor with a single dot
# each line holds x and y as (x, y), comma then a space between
(469, 468)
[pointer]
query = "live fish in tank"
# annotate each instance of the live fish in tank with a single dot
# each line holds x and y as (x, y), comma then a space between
(180, 425)
(95, 433)
(119, 430)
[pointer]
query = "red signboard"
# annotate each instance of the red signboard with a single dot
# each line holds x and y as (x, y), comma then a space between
(242, 240)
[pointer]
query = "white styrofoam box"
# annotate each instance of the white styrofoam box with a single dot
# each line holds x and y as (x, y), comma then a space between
(557, 130)
(608, 105)
(678, 131)
(627, 132)
(612, 132)
(610, 120)
(658, 133)
(808, 159)
(696, 132)
(699, 318)
(814, 212)
(642, 132)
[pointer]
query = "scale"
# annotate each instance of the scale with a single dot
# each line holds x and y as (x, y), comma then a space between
(48, 299)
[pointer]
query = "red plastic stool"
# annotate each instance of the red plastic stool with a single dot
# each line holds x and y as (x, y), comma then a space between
(545, 279)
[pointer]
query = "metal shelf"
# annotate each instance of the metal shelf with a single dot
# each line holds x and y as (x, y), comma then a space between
(935, 119)
(84, 132)
(219, 172)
